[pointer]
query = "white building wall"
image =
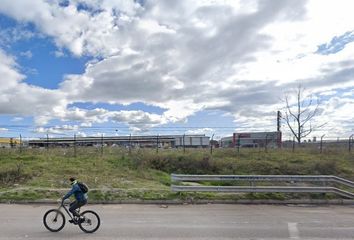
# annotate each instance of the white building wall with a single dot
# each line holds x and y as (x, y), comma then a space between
(192, 141)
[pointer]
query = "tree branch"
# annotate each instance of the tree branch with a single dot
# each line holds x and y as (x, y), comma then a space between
(302, 115)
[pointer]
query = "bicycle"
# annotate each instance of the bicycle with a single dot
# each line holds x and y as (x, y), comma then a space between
(54, 219)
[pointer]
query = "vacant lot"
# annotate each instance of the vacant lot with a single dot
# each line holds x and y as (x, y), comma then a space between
(117, 173)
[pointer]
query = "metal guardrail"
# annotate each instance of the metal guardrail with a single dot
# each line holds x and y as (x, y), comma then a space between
(324, 179)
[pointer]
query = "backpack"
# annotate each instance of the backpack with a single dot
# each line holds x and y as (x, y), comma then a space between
(84, 188)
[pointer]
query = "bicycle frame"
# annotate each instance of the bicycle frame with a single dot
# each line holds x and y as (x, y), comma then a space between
(84, 222)
(62, 205)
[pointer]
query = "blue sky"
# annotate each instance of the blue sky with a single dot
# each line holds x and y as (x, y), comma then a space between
(41, 67)
(337, 44)
(146, 67)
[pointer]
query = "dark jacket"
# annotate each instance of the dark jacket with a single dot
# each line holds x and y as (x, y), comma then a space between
(76, 190)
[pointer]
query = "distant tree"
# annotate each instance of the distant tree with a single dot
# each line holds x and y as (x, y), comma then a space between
(299, 115)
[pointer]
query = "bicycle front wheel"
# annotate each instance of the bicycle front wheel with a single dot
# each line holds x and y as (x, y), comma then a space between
(54, 220)
(90, 221)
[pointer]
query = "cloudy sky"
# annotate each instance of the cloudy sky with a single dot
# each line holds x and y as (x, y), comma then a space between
(116, 67)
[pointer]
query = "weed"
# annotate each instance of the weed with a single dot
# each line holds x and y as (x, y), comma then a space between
(145, 174)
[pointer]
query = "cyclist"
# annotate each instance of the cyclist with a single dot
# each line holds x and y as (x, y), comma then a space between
(80, 199)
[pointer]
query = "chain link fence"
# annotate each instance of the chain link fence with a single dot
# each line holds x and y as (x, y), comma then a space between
(99, 145)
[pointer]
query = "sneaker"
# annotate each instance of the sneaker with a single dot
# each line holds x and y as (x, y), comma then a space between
(73, 221)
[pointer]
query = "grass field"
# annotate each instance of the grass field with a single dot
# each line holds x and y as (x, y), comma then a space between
(117, 174)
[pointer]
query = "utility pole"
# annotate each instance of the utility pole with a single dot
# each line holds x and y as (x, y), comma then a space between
(279, 136)
(279, 121)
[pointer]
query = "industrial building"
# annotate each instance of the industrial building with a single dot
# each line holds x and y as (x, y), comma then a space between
(9, 142)
(252, 140)
(163, 141)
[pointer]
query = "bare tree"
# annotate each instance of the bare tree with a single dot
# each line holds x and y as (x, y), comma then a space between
(299, 115)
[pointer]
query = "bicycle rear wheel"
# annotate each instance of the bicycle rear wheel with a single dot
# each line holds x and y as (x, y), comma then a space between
(54, 220)
(90, 222)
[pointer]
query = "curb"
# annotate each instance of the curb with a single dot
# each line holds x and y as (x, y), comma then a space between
(202, 201)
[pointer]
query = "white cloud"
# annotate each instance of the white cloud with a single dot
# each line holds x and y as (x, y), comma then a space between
(349, 93)
(173, 62)
(99, 134)
(27, 54)
(17, 119)
(81, 134)
(328, 93)
(60, 130)
(11, 35)
(19, 98)
(206, 131)
(47, 130)
(86, 124)
(138, 119)
(59, 53)
(185, 56)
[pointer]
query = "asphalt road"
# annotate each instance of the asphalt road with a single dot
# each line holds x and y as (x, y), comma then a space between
(188, 222)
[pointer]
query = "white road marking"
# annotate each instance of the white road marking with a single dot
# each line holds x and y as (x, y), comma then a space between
(293, 230)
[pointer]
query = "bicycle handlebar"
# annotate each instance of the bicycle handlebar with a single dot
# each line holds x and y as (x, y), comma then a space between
(62, 203)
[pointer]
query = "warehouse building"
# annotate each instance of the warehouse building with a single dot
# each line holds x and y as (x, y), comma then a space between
(9, 142)
(253, 140)
(163, 141)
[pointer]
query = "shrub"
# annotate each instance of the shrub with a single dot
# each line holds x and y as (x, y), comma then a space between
(324, 167)
(12, 176)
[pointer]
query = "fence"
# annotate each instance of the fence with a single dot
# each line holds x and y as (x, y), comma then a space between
(322, 145)
(252, 179)
(185, 142)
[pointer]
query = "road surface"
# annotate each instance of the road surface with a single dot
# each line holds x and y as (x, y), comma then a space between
(188, 222)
